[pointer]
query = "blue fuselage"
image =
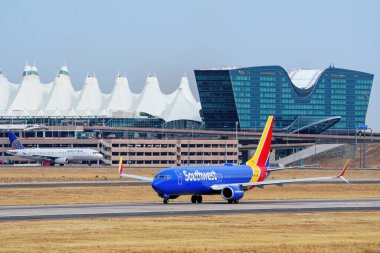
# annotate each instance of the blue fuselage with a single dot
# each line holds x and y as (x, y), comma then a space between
(176, 181)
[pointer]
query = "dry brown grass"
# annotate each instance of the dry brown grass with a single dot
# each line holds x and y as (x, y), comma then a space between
(62, 174)
(65, 174)
(318, 232)
(114, 194)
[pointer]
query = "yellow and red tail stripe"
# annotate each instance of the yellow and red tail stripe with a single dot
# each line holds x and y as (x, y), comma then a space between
(263, 149)
(121, 165)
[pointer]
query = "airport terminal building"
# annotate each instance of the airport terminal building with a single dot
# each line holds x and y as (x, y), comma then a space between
(153, 129)
(57, 103)
(304, 101)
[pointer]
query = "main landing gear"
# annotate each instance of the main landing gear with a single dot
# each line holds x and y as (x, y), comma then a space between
(196, 199)
(233, 201)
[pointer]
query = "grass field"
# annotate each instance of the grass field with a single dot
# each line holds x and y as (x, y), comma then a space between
(65, 174)
(306, 232)
(62, 174)
(114, 194)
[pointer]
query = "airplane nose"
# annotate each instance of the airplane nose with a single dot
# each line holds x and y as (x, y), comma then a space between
(156, 185)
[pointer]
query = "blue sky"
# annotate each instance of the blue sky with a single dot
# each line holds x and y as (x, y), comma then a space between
(170, 38)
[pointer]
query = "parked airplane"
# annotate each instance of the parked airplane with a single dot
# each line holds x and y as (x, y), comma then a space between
(54, 156)
(231, 181)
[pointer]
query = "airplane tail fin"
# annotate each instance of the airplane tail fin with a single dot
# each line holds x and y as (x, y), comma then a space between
(14, 142)
(261, 157)
(121, 165)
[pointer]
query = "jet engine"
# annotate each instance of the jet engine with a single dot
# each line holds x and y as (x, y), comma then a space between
(232, 193)
(61, 161)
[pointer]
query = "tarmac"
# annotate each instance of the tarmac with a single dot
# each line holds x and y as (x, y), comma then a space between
(70, 211)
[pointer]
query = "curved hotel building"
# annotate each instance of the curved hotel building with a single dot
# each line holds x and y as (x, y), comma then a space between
(304, 101)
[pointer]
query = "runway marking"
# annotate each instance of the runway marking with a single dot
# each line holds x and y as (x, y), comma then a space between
(12, 213)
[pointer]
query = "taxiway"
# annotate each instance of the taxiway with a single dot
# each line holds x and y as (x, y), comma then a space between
(67, 211)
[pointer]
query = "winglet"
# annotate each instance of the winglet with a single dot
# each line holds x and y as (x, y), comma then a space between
(344, 169)
(121, 165)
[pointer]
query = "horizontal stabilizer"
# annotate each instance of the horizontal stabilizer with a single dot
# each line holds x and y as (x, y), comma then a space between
(142, 178)
(121, 174)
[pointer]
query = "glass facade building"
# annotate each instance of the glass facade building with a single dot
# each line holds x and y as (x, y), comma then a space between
(310, 101)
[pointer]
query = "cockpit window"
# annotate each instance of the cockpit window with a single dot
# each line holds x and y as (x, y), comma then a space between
(163, 176)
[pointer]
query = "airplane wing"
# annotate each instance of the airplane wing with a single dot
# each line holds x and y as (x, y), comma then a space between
(293, 167)
(121, 174)
(50, 157)
(286, 181)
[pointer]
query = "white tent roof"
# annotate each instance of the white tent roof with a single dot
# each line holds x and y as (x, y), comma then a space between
(7, 92)
(31, 98)
(32, 94)
(91, 97)
(184, 85)
(181, 109)
(121, 98)
(40, 113)
(152, 100)
(304, 78)
(63, 95)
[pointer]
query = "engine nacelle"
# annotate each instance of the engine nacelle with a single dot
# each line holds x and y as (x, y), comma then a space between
(61, 161)
(232, 193)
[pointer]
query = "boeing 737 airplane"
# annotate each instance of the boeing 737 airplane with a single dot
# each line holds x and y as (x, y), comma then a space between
(54, 156)
(230, 181)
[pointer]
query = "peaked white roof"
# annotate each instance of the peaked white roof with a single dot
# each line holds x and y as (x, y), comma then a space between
(304, 78)
(31, 98)
(32, 94)
(181, 109)
(40, 113)
(121, 98)
(7, 92)
(152, 100)
(91, 97)
(63, 95)
(184, 85)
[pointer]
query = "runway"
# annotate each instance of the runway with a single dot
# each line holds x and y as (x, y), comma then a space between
(138, 183)
(68, 211)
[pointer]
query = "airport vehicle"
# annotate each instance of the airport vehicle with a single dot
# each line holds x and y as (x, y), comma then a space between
(53, 156)
(230, 181)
